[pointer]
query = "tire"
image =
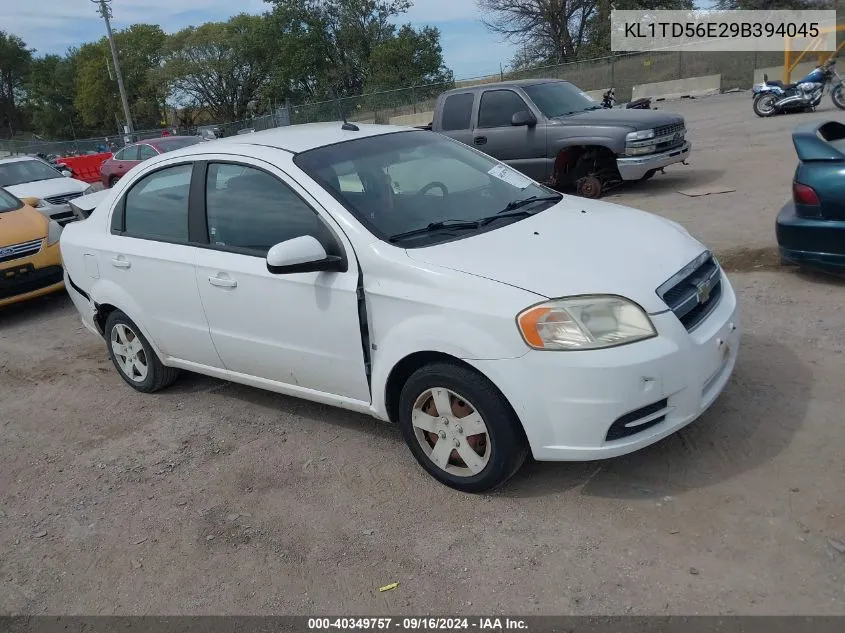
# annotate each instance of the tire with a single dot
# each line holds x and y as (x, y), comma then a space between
(148, 375)
(764, 104)
(837, 95)
(113, 181)
(494, 455)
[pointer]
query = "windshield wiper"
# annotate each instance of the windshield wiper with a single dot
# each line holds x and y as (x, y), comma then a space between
(517, 204)
(436, 226)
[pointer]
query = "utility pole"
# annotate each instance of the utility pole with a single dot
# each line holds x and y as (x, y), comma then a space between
(104, 10)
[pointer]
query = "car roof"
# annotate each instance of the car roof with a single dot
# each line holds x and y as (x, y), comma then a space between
(19, 159)
(304, 137)
(505, 84)
(159, 139)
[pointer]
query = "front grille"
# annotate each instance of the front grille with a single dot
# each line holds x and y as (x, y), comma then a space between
(19, 251)
(21, 280)
(63, 199)
(670, 135)
(694, 292)
(630, 423)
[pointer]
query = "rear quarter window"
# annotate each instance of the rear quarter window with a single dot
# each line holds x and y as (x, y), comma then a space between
(457, 112)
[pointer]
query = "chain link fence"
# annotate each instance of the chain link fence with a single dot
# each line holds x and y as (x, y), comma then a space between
(415, 104)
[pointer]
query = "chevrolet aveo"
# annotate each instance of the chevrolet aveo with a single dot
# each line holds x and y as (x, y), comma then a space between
(401, 274)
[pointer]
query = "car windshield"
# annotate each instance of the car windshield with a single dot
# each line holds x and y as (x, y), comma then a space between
(559, 98)
(8, 202)
(172, 144)
(20, 171)
(417, 187)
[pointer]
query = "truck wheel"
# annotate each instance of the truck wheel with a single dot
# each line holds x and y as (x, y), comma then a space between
(589, 187)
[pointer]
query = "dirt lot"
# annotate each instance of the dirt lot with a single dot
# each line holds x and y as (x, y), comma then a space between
(214, 498)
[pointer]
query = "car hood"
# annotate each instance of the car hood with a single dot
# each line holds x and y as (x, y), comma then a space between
(22, 225)
(47, 188)
(576, 247)
(622, 117)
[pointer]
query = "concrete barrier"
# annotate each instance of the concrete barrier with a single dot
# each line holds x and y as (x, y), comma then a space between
(596, 95)
(692, 86)
(420, 118)
(776, 72)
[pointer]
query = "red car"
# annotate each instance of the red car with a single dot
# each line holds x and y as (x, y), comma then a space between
(125, 159)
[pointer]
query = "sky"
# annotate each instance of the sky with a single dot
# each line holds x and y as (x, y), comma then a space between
(51, 27)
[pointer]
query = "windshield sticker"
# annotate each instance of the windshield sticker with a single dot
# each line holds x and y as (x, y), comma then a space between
(510, 176)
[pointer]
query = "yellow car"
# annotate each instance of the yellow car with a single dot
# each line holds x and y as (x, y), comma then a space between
(30, 261)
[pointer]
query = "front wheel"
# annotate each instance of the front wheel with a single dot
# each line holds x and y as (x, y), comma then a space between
(460, 428)
(837, 95)
(764, 104)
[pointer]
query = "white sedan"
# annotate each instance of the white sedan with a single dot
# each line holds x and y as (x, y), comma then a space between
(399, 273)
(30, 177)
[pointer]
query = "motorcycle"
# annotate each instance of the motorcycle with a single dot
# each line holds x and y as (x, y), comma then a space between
(609, 101)
(773, 97)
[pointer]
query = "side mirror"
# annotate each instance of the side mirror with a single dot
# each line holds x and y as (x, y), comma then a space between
(302, 255)
(524, 117)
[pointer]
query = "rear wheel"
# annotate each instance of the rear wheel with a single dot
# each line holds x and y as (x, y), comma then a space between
(764, 104)
(133, 356)
(113, 181)
(837, 95)
(460, 428)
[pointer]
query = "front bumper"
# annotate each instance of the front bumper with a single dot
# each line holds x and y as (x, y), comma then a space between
(810, 241)
(636, 167)
(569, 402)
(63, 214)
(31, 277)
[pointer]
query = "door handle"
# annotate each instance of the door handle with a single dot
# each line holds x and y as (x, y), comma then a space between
(479, 140)
(120, 262)
(222, 283)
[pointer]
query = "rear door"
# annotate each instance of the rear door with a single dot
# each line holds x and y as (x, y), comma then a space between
(125, 160)
(148, 255)
(522, 147)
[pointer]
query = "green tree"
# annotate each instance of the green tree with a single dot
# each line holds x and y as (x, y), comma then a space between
(97, 96)
(15, 60)
(219, 66)
(51, 88)
(328, 45)
(410, 58)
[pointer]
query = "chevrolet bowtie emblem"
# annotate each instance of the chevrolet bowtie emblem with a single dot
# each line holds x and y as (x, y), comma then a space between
(703, 291)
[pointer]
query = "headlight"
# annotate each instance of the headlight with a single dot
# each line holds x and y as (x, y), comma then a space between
(639, 151)
(585, 322)
(53, 233)
(642, 135)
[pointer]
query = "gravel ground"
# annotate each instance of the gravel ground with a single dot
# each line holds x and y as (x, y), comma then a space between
(211, 498)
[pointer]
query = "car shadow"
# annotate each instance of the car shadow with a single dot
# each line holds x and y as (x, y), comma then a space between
(753, 421)
(678, 177)
(45, 307)
(190, 383)
(820, 277)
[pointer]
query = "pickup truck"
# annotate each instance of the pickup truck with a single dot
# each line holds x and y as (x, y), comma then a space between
(557, 135)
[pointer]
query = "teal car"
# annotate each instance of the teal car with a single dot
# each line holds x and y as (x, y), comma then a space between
(811, 227)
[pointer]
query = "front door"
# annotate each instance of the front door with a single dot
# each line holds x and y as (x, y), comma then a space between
(522, 147)
(300, 329)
